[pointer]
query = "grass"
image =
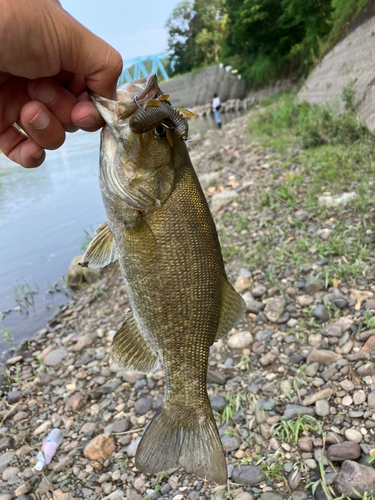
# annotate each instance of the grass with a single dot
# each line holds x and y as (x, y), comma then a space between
(291, 430)
(234, 403)
(86, 239)
(312, 150)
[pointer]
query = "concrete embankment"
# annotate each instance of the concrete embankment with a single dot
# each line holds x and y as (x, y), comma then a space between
(349, 65)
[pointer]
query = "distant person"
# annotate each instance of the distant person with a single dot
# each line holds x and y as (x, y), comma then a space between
(216, 105)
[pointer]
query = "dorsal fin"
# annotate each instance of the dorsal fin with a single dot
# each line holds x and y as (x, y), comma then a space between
(102, 250)
(233, 308)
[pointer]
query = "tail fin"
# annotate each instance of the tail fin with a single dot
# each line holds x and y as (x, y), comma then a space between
(197, 448)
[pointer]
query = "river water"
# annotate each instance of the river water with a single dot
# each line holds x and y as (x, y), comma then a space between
(43, 215)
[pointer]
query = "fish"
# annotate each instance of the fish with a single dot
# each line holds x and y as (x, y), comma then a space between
(161, 231)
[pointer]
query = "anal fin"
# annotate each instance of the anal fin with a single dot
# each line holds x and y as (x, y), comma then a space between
(131, 350)
(102, 250)
(233, 308)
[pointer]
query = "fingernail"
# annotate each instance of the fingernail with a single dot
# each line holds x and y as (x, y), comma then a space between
(40, 120)
(45, 92)
(87, 122)
(39, 155)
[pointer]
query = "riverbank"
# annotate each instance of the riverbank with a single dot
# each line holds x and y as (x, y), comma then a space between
(291, 387)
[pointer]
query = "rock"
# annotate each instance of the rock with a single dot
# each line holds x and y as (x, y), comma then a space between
(274, 309)
(102, 446)
(294, 479)
(7, 443)
(304, 300)
(311, 463)
(314, 284)
(132, 377)
(264, 335)
(268, 359)
(321, 313)
(305, 443)
(333, 330)
(322, 408)
(14, 360)
(355, 476)
(56, 356)
(248, 475)
(242, 284)
(299, 495)
(292, 411)
(22, 490)
(14, 396)
(271, 495)
(369, 304)
(339, 302)
(76, 402)
(115, 495)
(209, 179)
(143, 405)
(258, 291)
(26, 497)
(132, 448)
(242, 495)
(77, 275)
(322, 357)
(359, 397)
(312, 370)
(331, 201)
(9, 472)
(218, 403)
(222, 199)
(7, 497)
(42, 428)
(118, 426)
(216, 377)
(317, 396)
(347, 385)
(371, 400)
(369, 345)
(84, 341)
(353, 436)
(230, 443)
(109, 387)
(5, 460)
(252, 305)
(240, 340)
(347, 400)
(343, 451)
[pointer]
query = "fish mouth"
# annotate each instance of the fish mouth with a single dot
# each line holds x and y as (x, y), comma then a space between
(130, 96)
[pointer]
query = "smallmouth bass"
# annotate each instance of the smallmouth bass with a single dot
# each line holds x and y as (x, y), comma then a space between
(161, 231)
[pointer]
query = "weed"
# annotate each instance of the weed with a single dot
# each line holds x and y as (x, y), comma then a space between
(8, 337)
(244, 364)
(87, 238)
(98, 289)
(234, 403)
(24, 295)
(289, 430)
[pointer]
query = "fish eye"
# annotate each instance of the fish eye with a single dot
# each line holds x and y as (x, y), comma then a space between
(160, 132)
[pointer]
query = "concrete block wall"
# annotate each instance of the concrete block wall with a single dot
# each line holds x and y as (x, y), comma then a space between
(195, 89)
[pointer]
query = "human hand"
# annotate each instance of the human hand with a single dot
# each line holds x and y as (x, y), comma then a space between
(47, 61)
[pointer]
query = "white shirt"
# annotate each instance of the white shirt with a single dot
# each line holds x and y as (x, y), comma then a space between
(215, 103)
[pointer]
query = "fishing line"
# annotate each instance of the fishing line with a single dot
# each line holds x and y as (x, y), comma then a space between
(229, 169)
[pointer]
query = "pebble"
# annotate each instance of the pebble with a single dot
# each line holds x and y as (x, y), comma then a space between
(132, 448)
(313, 284)
(248, 475)
(14, 396)
(218, 403)
(242, 284)
(14, 360)
(344, 451)
(7, 443)
(323, 357)
(312, 398)
(143, 405)
(353, 436)
(222, 199)
(321, 313)
(312, 370)
(258, 291)
(359, 397)
(292, 411)
(240, 340)
(55, 357)
(102, 446)
(274, 309)
(322, 408)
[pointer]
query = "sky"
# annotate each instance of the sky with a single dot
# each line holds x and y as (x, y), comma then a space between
(134, 28)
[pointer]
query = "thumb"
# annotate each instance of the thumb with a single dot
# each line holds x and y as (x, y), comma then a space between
(87, 55)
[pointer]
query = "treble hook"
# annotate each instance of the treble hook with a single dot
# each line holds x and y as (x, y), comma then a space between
(135, 100)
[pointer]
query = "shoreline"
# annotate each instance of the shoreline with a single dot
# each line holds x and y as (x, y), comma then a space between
(302, 349)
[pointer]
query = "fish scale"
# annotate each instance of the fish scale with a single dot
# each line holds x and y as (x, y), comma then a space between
(161, 231)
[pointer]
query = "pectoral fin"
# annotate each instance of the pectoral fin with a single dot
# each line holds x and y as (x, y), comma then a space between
(102, 249)
(233, 308)
(131, 350)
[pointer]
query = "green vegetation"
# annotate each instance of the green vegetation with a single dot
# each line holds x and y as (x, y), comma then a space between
(290, 430)
(235, 401)
(313, 151)
(260, 39)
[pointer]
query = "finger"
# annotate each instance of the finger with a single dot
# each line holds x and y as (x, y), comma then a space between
(86, 117)
(88, 55)
(13, 97)
(57, 99)
(20, 149)
(76, 85)
(42, 126)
